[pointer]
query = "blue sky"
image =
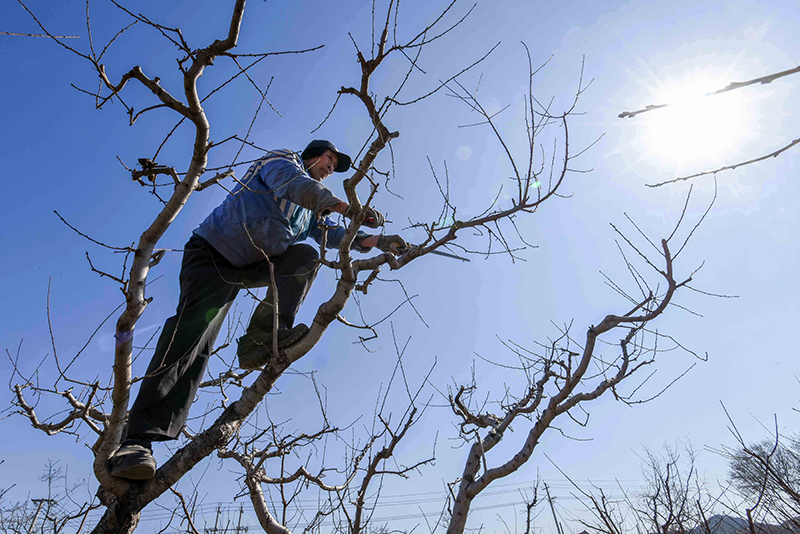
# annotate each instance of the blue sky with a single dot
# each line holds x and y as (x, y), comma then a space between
(59, 153)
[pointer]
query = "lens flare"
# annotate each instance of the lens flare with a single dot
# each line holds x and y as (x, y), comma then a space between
(695, 128)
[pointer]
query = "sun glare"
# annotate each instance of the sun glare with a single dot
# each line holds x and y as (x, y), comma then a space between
(694, 129)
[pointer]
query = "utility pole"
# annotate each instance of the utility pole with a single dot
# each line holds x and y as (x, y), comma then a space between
(238, 529)
(214, 530)
(553, 509)
(39, 504)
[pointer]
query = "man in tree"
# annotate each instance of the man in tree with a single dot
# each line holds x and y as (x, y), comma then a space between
(279, 203)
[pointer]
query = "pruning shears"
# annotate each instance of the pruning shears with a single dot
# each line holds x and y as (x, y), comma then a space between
(436, 252)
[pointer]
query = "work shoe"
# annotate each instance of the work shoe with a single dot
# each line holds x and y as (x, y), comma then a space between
(255, 347)
(133, 460)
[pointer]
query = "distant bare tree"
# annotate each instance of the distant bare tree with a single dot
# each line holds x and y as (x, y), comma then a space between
(767, 475)
(761, 498)
(673, 500)
(54, 512)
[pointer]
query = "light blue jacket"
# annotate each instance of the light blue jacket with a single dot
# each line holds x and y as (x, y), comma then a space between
(276, 204)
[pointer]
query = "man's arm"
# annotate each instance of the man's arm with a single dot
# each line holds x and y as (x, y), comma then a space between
(341, 207)
(386, 243)
(369, 241)
(363, 242)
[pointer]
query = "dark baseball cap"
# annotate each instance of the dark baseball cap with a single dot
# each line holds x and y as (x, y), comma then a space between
(343, 160)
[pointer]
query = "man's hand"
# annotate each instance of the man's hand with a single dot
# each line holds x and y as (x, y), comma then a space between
(391, 243)
(374, 218)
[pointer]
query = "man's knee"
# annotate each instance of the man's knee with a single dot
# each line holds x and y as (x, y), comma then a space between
(304, 255)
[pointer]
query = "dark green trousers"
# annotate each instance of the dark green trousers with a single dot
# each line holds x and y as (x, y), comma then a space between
(209, 285)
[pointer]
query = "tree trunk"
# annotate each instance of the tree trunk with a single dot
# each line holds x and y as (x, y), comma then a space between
(458, 521)
(117, 521)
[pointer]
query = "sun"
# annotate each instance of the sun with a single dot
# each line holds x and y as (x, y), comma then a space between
(696, 128)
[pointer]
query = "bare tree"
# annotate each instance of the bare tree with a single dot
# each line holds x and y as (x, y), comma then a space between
(348, 502)
(675, 500)
(123, 499)
(55, 511)
(562, 377)
(767, 475)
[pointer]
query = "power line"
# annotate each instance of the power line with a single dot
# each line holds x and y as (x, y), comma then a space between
(417, 499)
